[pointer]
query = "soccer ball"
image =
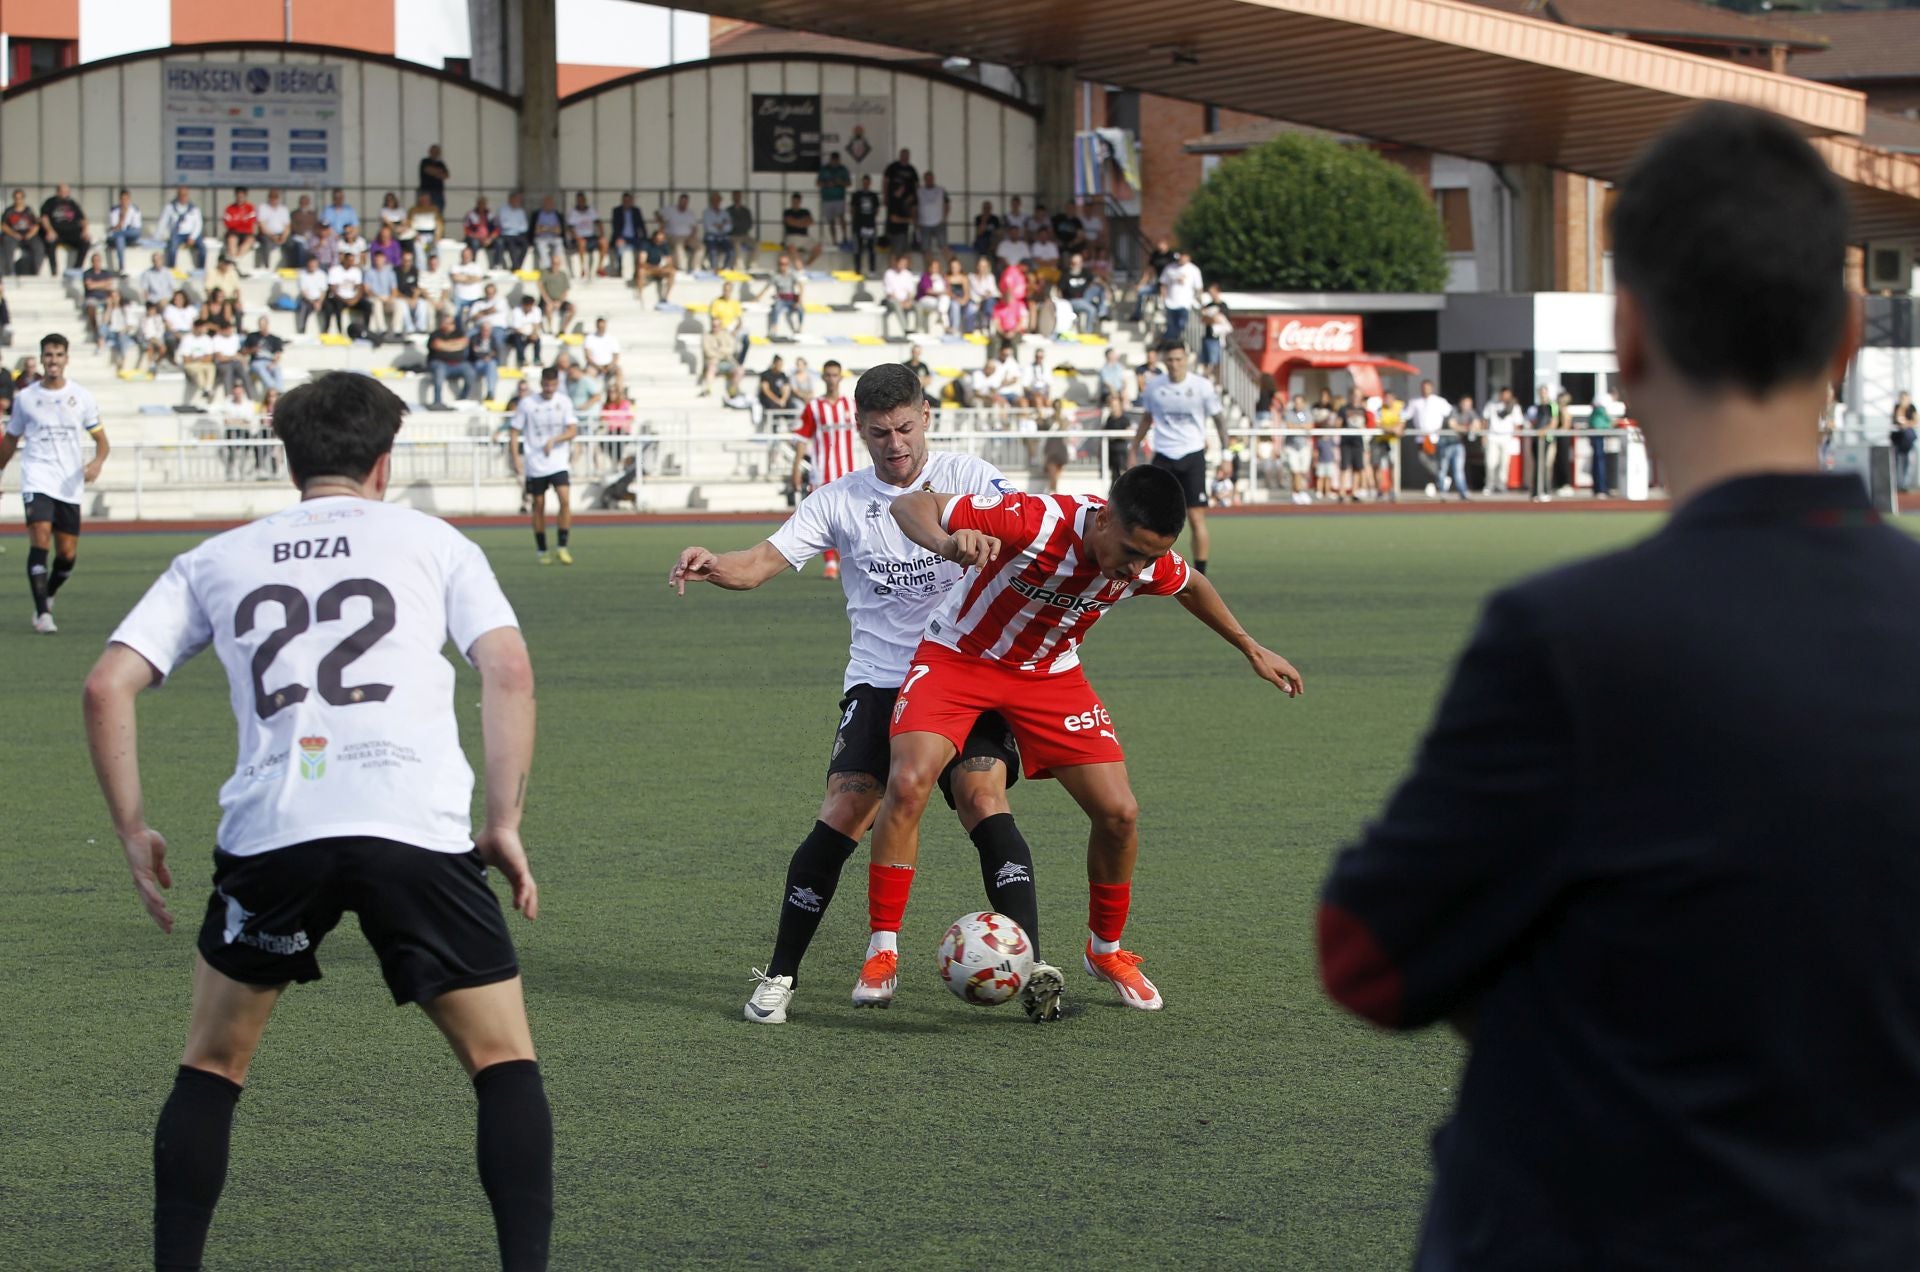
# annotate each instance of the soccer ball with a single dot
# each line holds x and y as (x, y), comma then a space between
(985, 958)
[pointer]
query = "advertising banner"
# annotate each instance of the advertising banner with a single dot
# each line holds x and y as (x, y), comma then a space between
(786, 132)
(861, 129)
(251, 123)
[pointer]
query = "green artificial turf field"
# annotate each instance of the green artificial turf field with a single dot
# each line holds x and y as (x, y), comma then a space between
(682, 749)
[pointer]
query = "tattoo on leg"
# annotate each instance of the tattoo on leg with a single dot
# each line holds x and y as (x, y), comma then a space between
(978, 764)
(856, 784)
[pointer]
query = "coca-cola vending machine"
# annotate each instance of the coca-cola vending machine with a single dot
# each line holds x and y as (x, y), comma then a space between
(1280, 344)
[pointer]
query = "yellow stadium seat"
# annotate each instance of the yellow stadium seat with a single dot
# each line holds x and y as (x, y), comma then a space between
(868, 340)
(695, 307)
(808, 308)
(288, 273)
(758, 340)
(334, 338)
(573, 338)
(527, 275)
(511, 373)
(495, 405)
(389, 373)
(735, 276)
(947, 373)
(848, 276)
(975, 339)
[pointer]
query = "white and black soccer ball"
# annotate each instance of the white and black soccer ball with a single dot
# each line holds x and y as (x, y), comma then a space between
(985, 958)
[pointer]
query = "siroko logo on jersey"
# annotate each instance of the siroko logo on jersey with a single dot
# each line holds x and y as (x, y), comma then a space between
(313, 758)
(1047, 596)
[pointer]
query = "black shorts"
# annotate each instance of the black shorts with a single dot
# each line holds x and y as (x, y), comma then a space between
(1192, 472)
(1353, 454)
(863, 742)
(537, 486)
(430, 916)
(64, 516)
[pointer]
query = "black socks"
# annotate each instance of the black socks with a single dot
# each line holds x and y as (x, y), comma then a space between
(62, 571)
(812, 876)
(1200, 564)
(1006, 867)
(564, 532)
(190, 1164)
(515, 1149)
(539, 540)
(37, 578)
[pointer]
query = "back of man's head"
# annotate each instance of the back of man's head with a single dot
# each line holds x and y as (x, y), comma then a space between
(1731, 236)
(337, 425)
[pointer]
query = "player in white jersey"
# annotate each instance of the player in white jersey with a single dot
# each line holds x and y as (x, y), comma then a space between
(349, 792)
(828, 433)
(544, 425)
(49, 419)
(892, 587)
(1175, 407)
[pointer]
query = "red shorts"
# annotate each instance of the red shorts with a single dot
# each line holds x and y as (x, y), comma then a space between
(1056, 718)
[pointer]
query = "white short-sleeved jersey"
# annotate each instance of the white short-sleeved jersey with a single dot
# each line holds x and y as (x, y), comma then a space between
(893, 585)
(52, 425)
(1180, 412)
(540, 420)
(330, 618)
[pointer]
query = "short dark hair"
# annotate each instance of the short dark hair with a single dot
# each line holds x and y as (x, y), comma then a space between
(53, 338)
(832, 362)
(337, 425)
(1145, 497)
(886, 387)
(1731, 232)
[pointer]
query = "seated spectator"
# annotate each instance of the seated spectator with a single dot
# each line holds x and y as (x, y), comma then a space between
(1011, 314)
(417, 308)
(383, 292)
(788, 291)
(352, 240)
(275, 227)
(983, 292)
(554, 286)
(153, 339)
(1038, 383)
(435, 286)
(930, 296)
(181, 226)
(120, 331)
(347, 303)
(730, 317)
(735, 395)
(229, 367)
(385, 247)
(324, 247)
(716, 234)
(98, 285)
(745, 242)
(181, 317)
(796, 229)
(1013, 250)
(394, 217)
(602, 351)
(194, 353)
(1076, 305)
(237, 415)
(524, 329)
(805, 386)
(1069, 231)
(242, 222)
(216, 308)
(447, 350)
(491, 308)
(626, 231)
(716, 353)
(516, 235)
(587, 392)
(156, 282)
(312, 285)
(123, 231)
(469, 284)
(899, 287)
(338, 214)
(655, 265)
(20, 237)
(986, 230)
(262, 350)
(64, 223)
(775, 392)
(549, 236)
(583, 236)
(225, 279)
(1094, 230)
(485, 361)
(1045, 256)
(481, 232)
(957, 289)
(682, 225)
(303, 226)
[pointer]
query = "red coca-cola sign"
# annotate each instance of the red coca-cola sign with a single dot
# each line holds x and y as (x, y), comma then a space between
(1317, 333)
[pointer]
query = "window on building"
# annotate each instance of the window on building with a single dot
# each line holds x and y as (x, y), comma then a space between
(460, 67)
(1123, 109)
(1210, 122)
(1607, 200)
(1456, 215)
(33, 58)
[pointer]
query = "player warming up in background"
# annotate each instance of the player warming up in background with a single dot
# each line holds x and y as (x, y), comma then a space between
(1175, 407)
(50, 417)
(349, 792)
(545, 425)
(892, 588)
(1044, 569)
(829, 434)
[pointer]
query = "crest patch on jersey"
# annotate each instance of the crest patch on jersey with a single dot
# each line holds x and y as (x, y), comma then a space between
(987, 501)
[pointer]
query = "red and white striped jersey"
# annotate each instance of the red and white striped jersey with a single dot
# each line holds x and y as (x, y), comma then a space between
(833, 438)
(1034, 607)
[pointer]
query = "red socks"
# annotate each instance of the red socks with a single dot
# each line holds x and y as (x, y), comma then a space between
(830, 556)
(887, 889)
(1107, 905)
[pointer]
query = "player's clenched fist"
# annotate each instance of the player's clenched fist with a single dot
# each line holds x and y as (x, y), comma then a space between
(694, 566)
(971, 548)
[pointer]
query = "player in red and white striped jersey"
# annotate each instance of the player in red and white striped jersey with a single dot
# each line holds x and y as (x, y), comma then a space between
(1007, 640)
(829, 433)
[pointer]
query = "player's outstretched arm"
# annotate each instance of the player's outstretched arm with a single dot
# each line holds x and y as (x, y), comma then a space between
(736, 571)
(1203, 601)
(113, 742)
(506, 727)
(919, 517)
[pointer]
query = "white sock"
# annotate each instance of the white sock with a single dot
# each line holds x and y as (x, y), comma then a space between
(883, 943)
(1102, 947)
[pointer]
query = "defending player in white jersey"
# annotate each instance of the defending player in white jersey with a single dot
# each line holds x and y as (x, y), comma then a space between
(544, 425)
(828, 433)
(1175, 407)
(50, 416)
(349, 792)
(892, 588)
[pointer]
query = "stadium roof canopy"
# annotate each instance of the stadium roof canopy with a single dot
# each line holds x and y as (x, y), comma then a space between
(1446, 75)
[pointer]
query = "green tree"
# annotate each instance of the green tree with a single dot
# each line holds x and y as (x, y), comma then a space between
(1304, 213)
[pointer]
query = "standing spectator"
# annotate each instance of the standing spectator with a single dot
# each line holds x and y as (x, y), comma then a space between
(242, 222)
(775, 394)
(1601, 418)
(1504, 418)
(1326, 448)
(628, 231)
(1356, 419)
(745, 240)
(338, 214)
(655, 265)
(901, 182)
(123, 231)
(796, 230)
(931, 209)
(899, 286)
(383, 290)
(516, 234)
(601, 349)
(1427, 415)
(481, 232)
(554, 286)
(20, 236)
(1543, 415)
(263, 349)
(1179, 287)
(303, 225)
(1382, 449)
(549, 235)
(347, 298)
(181, 226)
(832, 182)
(682, 225)
(447, 359)
(433, 178)
(1218, 329)
(583, 235)
(275, 223)
(787, 292)
(524, 328)
(986, 230)
(716, 234)
(1905, 435)
(866, 227)
(1450, 447)
(64, 222)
